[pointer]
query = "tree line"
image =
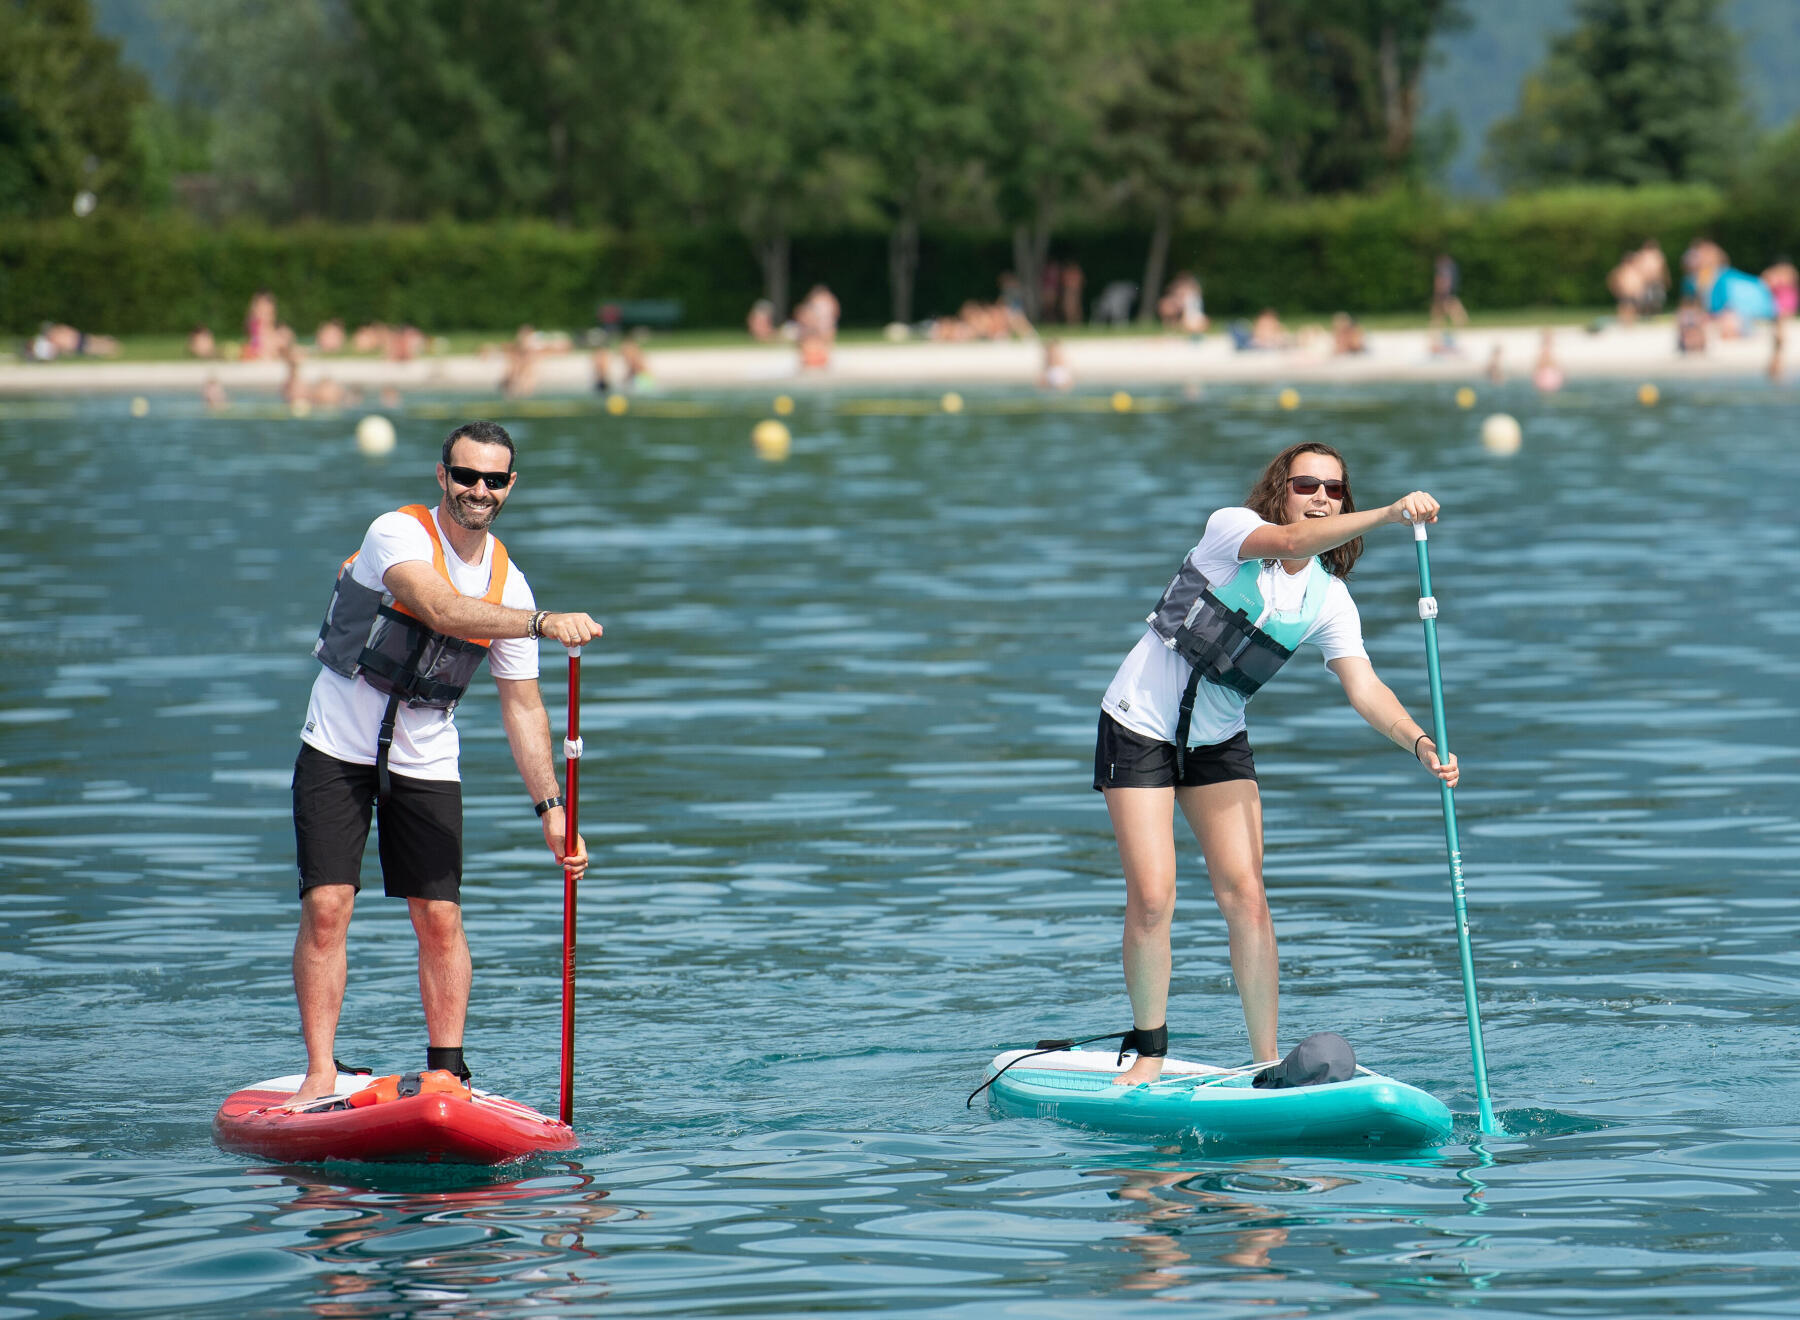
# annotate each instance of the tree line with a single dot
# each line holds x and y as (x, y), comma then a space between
(783, 117)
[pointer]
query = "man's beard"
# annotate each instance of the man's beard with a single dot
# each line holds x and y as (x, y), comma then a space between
(473, 515)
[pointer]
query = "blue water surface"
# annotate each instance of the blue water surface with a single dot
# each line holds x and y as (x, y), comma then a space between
(839, 739)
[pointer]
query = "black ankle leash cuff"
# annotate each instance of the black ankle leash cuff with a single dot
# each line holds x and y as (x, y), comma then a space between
(1146, 1042)
(449, 1058)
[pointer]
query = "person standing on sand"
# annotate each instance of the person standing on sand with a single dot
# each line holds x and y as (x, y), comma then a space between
(1446, 292)
(1281, 558)
(429, 596)
(1547, 375)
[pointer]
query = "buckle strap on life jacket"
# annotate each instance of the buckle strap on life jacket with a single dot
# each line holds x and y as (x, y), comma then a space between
(384, 743)
(384, 738)
(1183, 722)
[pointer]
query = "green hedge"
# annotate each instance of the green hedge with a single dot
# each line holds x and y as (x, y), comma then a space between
(1359, 254)
(125, 278)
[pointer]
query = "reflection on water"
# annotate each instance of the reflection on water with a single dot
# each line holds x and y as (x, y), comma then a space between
(844, 850)
(378, 1249)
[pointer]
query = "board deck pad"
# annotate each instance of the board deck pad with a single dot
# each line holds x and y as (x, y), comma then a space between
(1201, 1102)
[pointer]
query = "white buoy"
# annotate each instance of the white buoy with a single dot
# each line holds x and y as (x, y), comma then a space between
(375, 436)
(772, 440)
(1500, 435)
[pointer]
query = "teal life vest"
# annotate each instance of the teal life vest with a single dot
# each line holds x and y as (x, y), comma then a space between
(1228, 634)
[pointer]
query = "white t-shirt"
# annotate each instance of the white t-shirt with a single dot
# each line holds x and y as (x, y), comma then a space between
(1145, 695)
(343, 718)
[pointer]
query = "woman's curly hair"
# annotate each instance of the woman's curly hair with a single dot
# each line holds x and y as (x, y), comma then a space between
(1268, 500)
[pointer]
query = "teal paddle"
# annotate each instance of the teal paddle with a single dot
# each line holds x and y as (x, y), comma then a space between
(1428, 614)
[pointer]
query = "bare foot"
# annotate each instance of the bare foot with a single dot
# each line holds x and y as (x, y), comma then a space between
(316, 1087)
(1144, 1070)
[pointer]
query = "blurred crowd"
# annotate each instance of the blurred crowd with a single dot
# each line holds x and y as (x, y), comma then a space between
(1713, 301)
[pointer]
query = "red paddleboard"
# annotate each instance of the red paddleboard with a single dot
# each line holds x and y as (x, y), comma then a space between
(369, 1118)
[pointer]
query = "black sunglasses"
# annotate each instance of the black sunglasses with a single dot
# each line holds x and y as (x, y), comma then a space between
(463, 476)
(1334, 488)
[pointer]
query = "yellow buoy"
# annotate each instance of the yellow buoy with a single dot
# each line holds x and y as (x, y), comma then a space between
(1121, 402)
(1289, 399)
(953, 402)
(375, 435)
(784, 406)
(140, 407)
(771, 439)
(1465, 397)
(1648, 394)
(1500, 435)
(618, 405)
(301, 407)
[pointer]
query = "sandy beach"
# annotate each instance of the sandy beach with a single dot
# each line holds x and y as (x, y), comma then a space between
(1642, 352)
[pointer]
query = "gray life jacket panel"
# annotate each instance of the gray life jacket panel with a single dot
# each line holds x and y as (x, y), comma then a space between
(367, 633)
(1228, 633)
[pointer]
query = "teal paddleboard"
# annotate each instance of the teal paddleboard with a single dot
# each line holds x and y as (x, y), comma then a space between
(1195, 1101)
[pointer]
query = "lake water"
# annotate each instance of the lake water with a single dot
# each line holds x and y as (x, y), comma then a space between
(839, 739)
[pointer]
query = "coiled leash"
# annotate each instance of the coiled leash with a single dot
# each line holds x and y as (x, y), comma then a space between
(1151, 1043)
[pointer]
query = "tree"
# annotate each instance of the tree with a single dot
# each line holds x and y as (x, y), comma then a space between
(1180, 128)
(265, 76)
(761, 115)
(492, 108)
(1345, 77)
(1043, 92)
(1772, 179)
(412, 109)
(1641, 91)
(67, 111)
(913, 118)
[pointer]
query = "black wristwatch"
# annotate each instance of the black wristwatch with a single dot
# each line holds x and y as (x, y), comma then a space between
(547, 803)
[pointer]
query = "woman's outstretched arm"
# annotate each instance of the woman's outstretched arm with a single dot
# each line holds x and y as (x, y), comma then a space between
(1381, 709)
(1314, 536)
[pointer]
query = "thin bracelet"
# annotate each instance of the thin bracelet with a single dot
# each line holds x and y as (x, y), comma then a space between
(535, 629)
(1416, 741)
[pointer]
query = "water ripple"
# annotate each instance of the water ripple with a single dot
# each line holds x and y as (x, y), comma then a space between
(844, 848)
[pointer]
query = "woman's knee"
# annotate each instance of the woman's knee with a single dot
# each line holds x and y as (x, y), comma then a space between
(1150, 906)
(1241, 897)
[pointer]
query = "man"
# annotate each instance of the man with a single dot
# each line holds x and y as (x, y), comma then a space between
(415, 611)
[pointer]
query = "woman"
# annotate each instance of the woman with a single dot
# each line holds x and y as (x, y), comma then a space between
(1264, 578)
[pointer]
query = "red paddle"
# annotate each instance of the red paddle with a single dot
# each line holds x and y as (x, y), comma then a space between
(572, 763)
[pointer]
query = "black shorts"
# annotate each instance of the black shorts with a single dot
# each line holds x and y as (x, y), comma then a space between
(1123, 759)
(420, 831)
